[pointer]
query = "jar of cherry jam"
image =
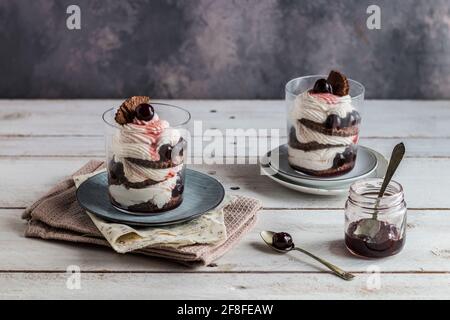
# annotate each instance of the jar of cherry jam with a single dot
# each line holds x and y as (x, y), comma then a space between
(375, 228)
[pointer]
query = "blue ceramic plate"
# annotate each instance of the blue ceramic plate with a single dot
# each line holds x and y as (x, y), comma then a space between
(202, 193)
(366, 164)
(266, 169)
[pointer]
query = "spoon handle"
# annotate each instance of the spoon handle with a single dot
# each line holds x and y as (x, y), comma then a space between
(396, 157)
(338, 271)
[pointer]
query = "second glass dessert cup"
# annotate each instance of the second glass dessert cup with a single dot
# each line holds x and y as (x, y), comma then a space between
(323, 130)
(146, 162)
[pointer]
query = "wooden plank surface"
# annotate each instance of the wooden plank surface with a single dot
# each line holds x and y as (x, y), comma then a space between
(223, 286)
(427, 248)
(25, 179)
(382, 118)
(94, 146)
(42, 141)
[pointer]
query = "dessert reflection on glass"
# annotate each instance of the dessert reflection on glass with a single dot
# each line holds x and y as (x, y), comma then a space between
(323, 124)
(145, 155)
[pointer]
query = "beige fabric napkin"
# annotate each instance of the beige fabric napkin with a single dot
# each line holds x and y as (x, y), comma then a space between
(207, 229)
(58, 216)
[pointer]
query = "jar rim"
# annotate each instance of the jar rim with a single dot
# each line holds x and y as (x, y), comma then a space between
(366, 182)
(364, 194)
(354, 82)
(172, 125)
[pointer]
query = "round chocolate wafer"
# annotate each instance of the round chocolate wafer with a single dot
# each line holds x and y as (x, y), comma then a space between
(126, 112)
(339, 83)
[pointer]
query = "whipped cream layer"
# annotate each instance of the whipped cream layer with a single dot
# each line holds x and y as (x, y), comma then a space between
(141, 147)
(316, 160)
(143, 139)
(318, 106)
(158, 194)
(306, 135)
(136, 173)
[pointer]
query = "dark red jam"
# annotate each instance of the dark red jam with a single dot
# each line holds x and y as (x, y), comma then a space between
(374, 239)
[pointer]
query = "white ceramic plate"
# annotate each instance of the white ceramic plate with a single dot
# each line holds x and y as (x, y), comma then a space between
(326, 191)
(365, 166)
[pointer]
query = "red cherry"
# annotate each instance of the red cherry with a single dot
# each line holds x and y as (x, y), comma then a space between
(282, 241)
(145, 112)
(322, 86)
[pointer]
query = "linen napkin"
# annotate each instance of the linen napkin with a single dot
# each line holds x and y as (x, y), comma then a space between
(58, 216)
(207, 229)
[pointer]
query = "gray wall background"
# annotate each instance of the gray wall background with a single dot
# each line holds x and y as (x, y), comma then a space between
(220, 48)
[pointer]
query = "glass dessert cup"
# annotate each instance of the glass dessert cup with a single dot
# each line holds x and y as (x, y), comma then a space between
(322, 134)
(375, 228)
(146, 171)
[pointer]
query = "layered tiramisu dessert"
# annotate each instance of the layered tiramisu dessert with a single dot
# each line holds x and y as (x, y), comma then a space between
(146, 166)
(324, 128)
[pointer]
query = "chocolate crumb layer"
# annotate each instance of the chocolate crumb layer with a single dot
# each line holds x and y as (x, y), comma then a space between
(151, 208)
(310, 146)
(154, 164)
(341, 132)
(347, 167)
(116, 176)
(170, 156)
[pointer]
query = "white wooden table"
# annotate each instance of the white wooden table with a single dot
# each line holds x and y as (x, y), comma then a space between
(42, 141)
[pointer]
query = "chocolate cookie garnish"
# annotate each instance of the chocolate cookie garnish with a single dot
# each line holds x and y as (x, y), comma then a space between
(126, 112)
(339, 83)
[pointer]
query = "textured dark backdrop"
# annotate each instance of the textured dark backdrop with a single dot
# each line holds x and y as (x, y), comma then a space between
(220, 48)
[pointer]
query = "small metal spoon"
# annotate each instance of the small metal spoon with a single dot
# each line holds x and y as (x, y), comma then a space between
(396, 157)
(267, 236)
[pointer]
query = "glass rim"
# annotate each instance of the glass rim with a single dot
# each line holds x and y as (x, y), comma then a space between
(363, 89)
(361, 183)
(116, 125)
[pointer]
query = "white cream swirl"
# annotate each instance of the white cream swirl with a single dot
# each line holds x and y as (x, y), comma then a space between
(169, 136)
(142, 140)
(316, 160)
(306, 135)
(136, 173)
(317, 107)
(159, 194)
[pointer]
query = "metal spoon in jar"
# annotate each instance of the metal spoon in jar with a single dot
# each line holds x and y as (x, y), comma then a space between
(396, 157)
(282, 242)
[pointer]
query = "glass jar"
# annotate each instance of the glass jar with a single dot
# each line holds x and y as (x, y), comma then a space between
(375, 228)
(322, 129)
(146, 160)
